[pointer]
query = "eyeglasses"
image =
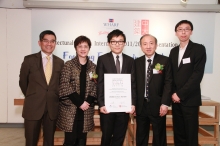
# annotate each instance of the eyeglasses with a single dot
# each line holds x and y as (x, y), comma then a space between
(47, 41)
(117, 42)
(185, 30)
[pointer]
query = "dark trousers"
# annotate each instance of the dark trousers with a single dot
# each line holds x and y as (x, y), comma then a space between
(113, 126)
(32, 130)
(70, 140)
(143, 127)
(185, 125)
(76, 137)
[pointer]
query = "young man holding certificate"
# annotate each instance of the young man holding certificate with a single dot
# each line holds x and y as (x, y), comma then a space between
(114, 124)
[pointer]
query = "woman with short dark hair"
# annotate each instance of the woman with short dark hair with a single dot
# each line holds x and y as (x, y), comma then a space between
(77, 95)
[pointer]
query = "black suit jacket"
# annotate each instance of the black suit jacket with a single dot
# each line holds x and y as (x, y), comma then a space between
(187, 77)
(106, 65)
(37, 93)
(160, 85)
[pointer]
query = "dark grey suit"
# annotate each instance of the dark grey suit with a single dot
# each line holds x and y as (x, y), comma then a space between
(187, 78)
(160, 87)
(114, 123)
(41, 100)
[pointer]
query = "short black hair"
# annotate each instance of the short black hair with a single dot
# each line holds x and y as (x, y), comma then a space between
(81, 39)
(116, 33)
(43, 33)
(148, 35)
(184, 22)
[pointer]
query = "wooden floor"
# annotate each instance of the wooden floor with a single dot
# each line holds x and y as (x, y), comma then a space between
(15, 137)
(205, 137)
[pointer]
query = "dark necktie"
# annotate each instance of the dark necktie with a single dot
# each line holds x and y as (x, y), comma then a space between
(117, 64)
(148, 77)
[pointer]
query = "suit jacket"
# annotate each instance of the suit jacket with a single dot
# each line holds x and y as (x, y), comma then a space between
(69, 87)
(106, 65)
(160, 85)
(39, 95)
(187, 76)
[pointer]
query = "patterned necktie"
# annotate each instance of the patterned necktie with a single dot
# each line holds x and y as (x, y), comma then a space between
(48, 70)
(117, 64)
(148, 77)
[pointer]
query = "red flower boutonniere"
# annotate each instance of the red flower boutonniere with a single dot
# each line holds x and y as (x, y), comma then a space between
(159, 67)
(93, 76)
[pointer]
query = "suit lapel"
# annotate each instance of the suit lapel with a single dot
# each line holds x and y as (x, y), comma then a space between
(124, 63)
(40, 66)
(53, 69)
(186, 53)
(176, 56)
(112, 62)
(155, 61)
(142, 68)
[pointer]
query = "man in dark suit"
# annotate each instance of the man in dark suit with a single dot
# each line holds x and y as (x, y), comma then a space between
(39, 82)
(188, 64)
(114, 124)
(154, 84)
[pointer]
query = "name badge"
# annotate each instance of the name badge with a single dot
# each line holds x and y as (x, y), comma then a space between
(186, 60)
(155, 71)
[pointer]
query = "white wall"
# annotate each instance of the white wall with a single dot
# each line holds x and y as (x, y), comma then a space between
(3, 67)
(18, 45)
(211, 82)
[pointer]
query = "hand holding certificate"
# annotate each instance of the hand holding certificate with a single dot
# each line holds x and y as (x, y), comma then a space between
(118, 92)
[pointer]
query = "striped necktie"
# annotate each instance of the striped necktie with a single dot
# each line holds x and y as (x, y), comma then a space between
(148, 78)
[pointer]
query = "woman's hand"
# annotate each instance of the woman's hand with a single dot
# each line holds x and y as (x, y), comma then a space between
(84, 106)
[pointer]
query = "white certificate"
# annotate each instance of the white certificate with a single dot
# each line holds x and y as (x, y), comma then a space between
(117, 92)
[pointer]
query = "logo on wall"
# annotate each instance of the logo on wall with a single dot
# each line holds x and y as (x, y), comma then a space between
(141, 27)
(111, 23)
(110, 20)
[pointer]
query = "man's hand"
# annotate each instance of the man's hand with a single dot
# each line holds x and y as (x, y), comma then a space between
(163, 110)
(175, 98)
(84, 106)
(103, 110)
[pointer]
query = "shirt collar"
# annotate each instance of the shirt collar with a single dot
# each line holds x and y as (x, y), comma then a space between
(120, 55)
(152, 57)
(184, 48)
(45, 55)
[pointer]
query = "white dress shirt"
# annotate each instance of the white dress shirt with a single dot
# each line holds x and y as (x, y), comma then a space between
(181, 52)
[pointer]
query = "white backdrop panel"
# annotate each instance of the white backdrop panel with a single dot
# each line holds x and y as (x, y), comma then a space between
(3, 67)
(19, 42)
(69, 24)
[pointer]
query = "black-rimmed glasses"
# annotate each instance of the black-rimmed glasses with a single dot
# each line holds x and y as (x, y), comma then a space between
(185, 30)
(117, 42)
